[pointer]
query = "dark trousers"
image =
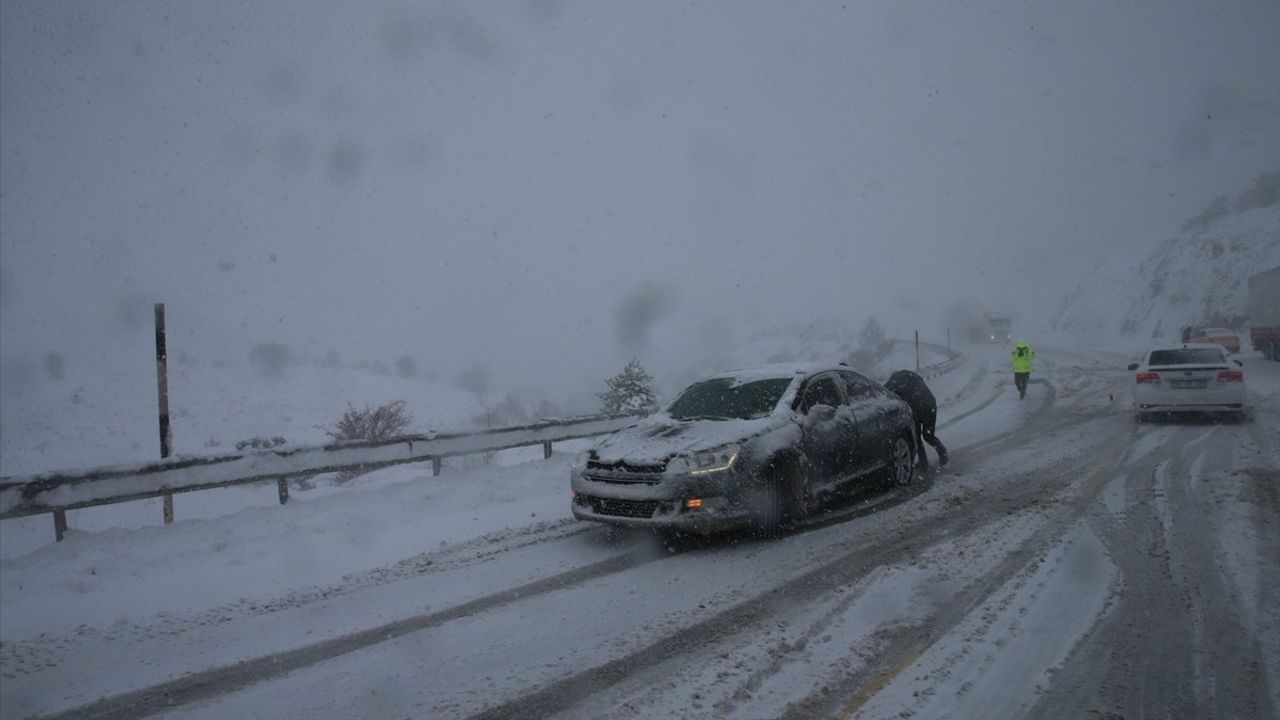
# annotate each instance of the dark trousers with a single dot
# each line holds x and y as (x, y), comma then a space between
(1020, 382)
(924, 434)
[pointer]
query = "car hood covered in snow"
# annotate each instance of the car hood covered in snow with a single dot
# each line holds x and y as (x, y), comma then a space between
(658, 438)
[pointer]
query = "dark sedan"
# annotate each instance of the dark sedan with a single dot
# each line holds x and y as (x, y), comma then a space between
(748, 448)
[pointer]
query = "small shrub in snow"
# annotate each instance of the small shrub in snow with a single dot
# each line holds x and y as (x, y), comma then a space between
(511, 411)
(370, 423)
(258, 443)
(548, 410)
(270, 359)
(407, 367)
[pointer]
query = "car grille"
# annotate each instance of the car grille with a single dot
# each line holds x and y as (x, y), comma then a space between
(623, 508)
(624, 467)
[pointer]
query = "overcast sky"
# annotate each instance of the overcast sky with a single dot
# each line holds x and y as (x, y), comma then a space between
(551, 187)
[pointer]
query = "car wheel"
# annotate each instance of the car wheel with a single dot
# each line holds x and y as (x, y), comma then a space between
(768, 500)
(902, 468)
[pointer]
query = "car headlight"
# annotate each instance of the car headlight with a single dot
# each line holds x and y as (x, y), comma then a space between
(717, 460)
(580, 462)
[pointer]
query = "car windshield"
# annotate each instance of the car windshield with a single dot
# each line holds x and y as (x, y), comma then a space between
(1186, 356)
(727, 399)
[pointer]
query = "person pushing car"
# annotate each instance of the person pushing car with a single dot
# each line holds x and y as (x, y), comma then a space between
(915, 393)
(1022, 356)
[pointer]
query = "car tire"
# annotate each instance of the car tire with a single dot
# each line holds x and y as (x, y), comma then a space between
(901, 469)
(769, 502)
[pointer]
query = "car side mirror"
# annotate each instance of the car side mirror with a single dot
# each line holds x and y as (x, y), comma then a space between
(1239, 362)
(1133, 366)
(822, 413)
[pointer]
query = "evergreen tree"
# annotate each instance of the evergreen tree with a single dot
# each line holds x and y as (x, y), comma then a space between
(872, 336)
(629, 391)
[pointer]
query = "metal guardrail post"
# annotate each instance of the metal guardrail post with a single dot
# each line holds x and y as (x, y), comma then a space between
(546, 450)
(162, 398)
(282, 487)
(59, 524)
(436, 465)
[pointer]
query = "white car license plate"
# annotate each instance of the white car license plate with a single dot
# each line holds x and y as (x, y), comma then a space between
(1188, 384)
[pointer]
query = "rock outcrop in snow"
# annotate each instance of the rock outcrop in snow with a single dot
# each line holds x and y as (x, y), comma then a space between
(1195, 278)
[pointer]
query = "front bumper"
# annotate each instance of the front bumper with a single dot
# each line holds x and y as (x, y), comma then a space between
(659, 502)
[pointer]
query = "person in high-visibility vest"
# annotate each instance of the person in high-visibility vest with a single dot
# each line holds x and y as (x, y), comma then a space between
(1022, 356)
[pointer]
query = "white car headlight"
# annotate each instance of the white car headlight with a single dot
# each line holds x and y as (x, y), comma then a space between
(717, 460)
(580, 463)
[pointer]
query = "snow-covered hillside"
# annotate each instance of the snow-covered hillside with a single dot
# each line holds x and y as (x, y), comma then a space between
(99, 416)
(1150, 291)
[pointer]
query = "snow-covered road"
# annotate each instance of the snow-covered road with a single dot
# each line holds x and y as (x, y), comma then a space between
(1067, 561)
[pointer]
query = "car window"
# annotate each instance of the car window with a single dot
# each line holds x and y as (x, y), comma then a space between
(1186, 356)
(821, 391)
(858, 388)
(725, 398)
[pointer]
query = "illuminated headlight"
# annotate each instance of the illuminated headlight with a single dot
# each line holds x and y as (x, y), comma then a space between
(704, 463)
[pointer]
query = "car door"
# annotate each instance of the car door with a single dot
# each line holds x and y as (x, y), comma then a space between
(830, 431)
(874, 417)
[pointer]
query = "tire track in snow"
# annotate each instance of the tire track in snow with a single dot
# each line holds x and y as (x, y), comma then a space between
(47, 651)
(848, 567)
(219, 681)
(1175, 643)
(906, 645)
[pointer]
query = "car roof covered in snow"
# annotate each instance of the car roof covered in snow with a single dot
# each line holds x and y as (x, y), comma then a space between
(776, 371)
(1186, 346)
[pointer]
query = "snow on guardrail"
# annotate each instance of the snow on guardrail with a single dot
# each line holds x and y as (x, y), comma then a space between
(955, 357)
(60, 491)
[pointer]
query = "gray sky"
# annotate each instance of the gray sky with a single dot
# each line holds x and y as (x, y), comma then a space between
(553, 186)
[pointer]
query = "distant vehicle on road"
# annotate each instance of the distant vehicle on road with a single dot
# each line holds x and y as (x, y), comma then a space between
(1264, 313)
(1192, 377)
(1225, 337)
(748, 448)
(992, 329)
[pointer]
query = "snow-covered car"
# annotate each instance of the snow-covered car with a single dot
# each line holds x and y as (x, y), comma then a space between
(1192, 377)
(747, 448)
(1225, 337)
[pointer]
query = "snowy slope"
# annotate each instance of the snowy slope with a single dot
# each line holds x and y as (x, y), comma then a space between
(1149, 291)
(99, 416)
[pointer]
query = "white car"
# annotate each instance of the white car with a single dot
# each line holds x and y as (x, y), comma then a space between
(1192, 377)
